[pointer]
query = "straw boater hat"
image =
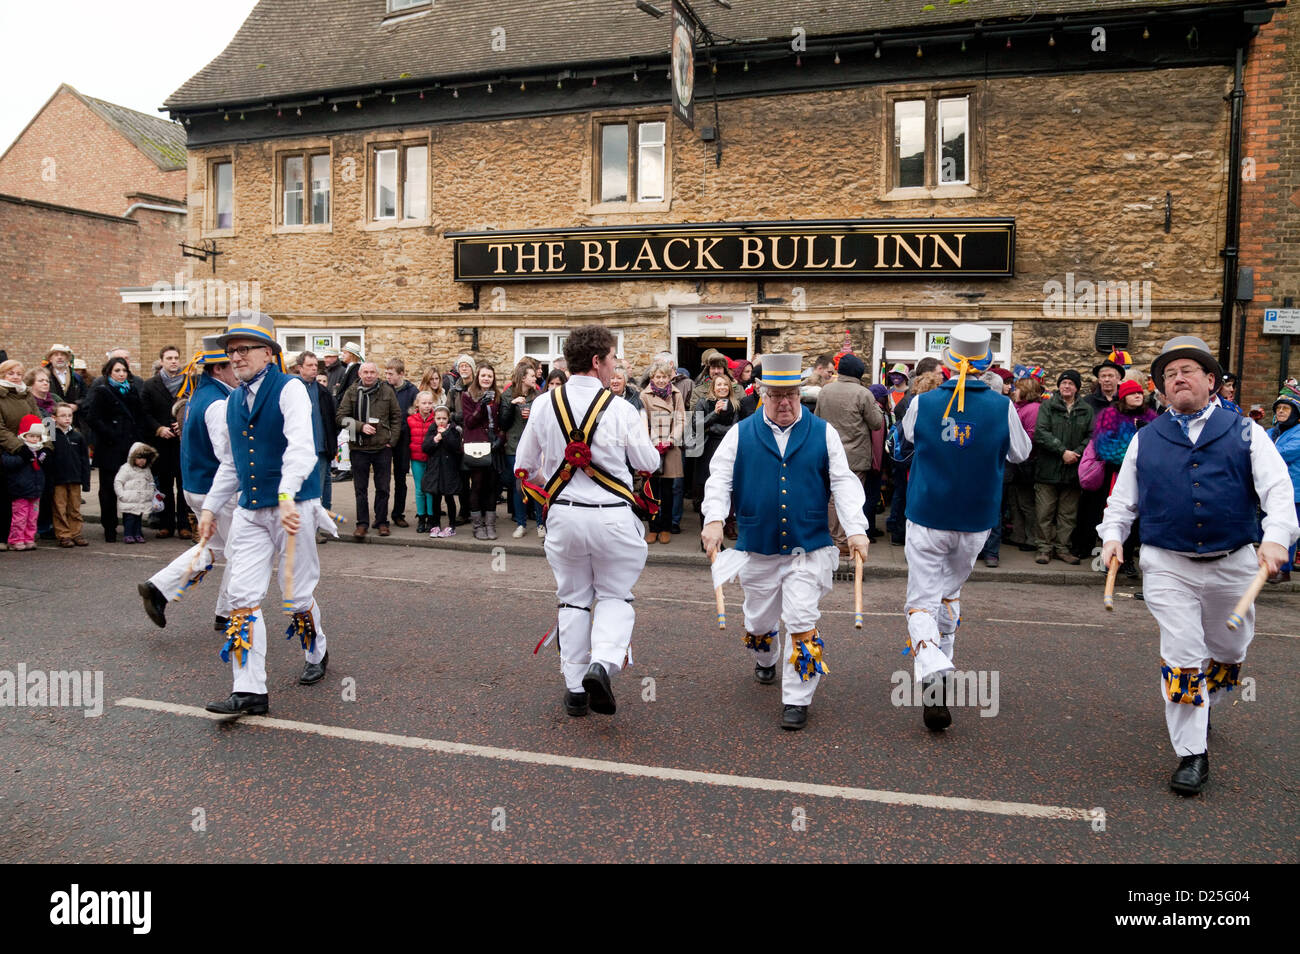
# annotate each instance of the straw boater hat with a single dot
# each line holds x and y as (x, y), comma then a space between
(211, 351)
(781, 371)
(1186, 346)
(59, 347)
(253, 325)
(351, 347)
(328, 352)
(78, 364)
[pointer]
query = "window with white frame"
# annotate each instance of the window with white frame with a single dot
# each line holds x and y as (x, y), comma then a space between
(294, 341)
(222, 185)
(305, 188)
(545, 345)
(399, 6)
(930, 137)
(400, 173)
(631, 161)
(909, 342)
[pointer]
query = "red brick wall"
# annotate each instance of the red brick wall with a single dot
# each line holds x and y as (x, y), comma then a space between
(1270, 210)
(60, 271)
(70, 156)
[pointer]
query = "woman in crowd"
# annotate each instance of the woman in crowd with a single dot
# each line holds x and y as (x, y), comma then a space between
(115, 415)
(1026, 395)
(16, 402)
(714, 418)
(480, 409)
(1285, 434)
(1112, 432)
(1060, 438)
(664, 415)
(618, 384)
(38, 383)
(516, 404)
(1228, 393)
(456, 382)
(432, 383)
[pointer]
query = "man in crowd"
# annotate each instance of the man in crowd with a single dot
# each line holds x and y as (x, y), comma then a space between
(324, 427)
(395, 373)
(1196, 477)
(159, 396)
(65, 386)
(896, 522)
(350, 358)
(372, 416)
(846, 405)
(782, 468)
(963, 433)
(271, 468)
(594, 540)
(1061, 436)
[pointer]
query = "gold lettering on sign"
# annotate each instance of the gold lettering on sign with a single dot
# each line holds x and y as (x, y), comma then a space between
(500, 250)
(668, 261)
(702, 252)
(646, 253)
(590, 251)
(613, 257)
(556, 263)
(809, 263)
(776, 259)
(940, 243)
(901, 246)
(880, 252)
(839, 261)
(751, 247)
(521, 255)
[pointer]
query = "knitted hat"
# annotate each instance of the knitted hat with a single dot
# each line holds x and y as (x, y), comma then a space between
(851, 366)
(1288, 396)
(1126, 387)
(1004, 374)
(1071, 375)
(881, 394)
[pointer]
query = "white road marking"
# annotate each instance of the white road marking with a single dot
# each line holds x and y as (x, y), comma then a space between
(1020, 809)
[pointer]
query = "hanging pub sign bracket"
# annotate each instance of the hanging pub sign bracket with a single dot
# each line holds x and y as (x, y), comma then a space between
(205, 252)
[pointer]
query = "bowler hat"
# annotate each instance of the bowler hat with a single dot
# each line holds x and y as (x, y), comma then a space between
(1186, 346)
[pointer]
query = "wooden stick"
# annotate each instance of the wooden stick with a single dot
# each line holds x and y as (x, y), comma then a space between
(286, 590)
(1109, 596)
(721, 603)
(1237, 619)
(857, 590)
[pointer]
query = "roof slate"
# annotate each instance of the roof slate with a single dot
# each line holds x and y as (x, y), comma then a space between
(161, 140)
(287, 48)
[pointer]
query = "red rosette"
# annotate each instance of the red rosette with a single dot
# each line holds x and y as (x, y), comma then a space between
(521, 474)
(577, 454)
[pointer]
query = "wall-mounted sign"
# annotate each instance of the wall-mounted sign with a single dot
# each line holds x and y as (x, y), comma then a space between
(935, 342)
(1281, 321)
(861, 248)
(683, 67)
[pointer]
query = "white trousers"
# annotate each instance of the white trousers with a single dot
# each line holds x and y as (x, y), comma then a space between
(257, 542)
(181, 575)
(597, 555)
(938, 564)
(1191, 601)
(787, 588)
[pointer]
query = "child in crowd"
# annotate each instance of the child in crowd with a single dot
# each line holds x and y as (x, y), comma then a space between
(441, 479)
(420, 422)
(69, 474)
(135, 488)
(26, 479)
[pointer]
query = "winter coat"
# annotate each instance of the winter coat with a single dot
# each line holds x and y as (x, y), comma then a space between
(512, 422)
(13, 408)
(326, 418)
(716, 425)
(480, 420)
(25, 471)
(68, 461)
(703, 391)
(383, 405)
(157, 402)
(405, 400)
(665, 423)
(1288, 445)
(134, 485)
(1060, 429)
(74, 393)
(116, 422)
(417, 427)
(846, 405)
(1022, 474)
(442, 464)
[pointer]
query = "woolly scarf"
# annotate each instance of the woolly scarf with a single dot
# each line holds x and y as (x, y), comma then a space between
(1114, 430)
(17, 387)
(173, 381)
(661, 392)
(364, 395)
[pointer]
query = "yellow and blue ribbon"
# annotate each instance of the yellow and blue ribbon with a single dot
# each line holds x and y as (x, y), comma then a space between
(806, 655)
(238, 638)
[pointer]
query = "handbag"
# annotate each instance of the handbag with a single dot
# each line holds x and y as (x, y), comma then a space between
(478, 454)
(1092, 471)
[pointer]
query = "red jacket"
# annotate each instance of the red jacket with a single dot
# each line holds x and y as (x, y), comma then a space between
(419, 426)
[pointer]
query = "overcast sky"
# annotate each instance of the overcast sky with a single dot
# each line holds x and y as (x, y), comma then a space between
(131, 52)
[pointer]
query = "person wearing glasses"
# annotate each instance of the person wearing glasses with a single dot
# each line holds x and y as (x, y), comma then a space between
(783, 468)
(1196, 477)
(271, 465)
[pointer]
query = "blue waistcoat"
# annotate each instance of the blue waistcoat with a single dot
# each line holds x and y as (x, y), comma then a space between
(198, 459)
(781, 503)
(1197, 498)
(258, 444)
(956, 481)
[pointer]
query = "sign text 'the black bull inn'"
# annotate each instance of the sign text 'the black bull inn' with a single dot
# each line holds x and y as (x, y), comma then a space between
(860, 248)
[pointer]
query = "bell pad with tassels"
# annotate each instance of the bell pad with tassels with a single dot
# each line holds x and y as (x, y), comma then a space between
(239, 636)
(1184, 684)
(806, 654)
(759, 642)
(1223, 676)
(303, 626)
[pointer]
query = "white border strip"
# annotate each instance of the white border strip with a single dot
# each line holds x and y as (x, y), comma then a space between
(1021, 809)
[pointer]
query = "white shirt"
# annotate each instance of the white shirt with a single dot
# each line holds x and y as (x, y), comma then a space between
(846, 490)
(214, 419)
(1021, 445)
(299, 456)
(1272, 486)
(620, 438)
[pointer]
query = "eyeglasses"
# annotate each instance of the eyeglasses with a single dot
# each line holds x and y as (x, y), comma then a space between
(779, 397)
(242, 350)
(1172, 375)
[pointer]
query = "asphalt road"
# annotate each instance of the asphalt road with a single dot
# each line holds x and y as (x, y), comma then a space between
(438, 736)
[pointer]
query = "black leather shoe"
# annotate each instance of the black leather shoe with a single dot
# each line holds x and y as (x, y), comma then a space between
(220, 623)
(241, 703)
(314, 672)
(1191, 775)
(794, 718)
(600, 697)
(765, 674)
(575, 703)
(936, 717)
(154, 604)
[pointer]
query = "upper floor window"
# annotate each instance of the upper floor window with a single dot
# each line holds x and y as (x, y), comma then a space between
(931, 141)
(400, 173)
(222, 186)
(305, 188)
(632, 161)
(398, 6)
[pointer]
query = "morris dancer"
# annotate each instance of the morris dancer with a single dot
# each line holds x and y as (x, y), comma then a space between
(963, 433)
(1195, 477)
(783, 467)
(271, 465)
(204, 439)
(582, 438)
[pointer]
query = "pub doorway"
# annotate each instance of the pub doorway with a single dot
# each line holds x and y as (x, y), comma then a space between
(690, 350)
